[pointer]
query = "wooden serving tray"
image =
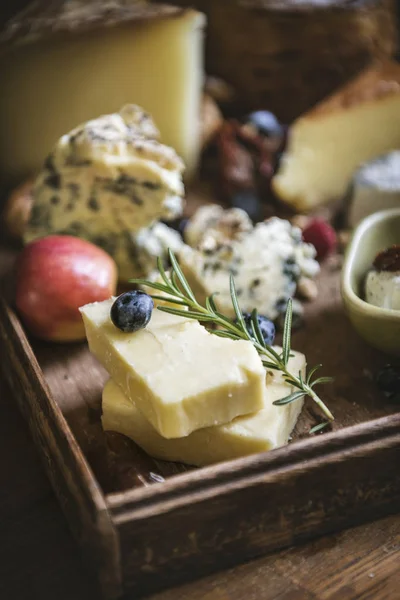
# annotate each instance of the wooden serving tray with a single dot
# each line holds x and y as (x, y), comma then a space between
(146, 524)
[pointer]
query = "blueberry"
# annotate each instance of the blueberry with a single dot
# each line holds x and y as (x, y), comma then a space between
(248, 201)
(266, 123)
(178, 225)
(267, 327)
(388, 380)
(131, 311)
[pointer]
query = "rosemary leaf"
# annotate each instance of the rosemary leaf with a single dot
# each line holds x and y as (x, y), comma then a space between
(178, 271)
(319, 427)
(256, 328)
(321, 380)
(186, 313)
(161, 270)
(311, 373)
(236, 308)
(153, 285)
(210, 304)
(294, 383)
(166, 299)
(287, 333)
(289, 399)
(270, 365)
(224, 334)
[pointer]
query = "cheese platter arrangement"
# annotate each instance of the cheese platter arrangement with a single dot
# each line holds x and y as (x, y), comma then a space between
(200, 312)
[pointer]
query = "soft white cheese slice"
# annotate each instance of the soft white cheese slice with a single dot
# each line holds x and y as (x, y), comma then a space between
(267, 429)
(382, 288)
(375, 186)
(181, 376)
(152, 57)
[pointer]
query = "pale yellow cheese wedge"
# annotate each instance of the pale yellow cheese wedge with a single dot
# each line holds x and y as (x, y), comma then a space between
(326, 145)
(181, 376)
(267, 429)
(75, 67)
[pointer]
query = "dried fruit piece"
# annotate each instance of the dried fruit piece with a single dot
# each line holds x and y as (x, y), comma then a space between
(388, 260)
(322, 236)
(211, 120)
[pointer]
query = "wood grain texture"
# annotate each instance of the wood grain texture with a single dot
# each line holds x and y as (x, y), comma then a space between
(171, 528)
(39, 559)
(75, 487)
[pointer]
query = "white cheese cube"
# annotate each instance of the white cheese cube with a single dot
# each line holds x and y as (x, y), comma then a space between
(264, 430)
(375, 187)
(179, 374)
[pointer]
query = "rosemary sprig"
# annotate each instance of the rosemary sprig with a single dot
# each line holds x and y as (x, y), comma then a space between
(178, 292)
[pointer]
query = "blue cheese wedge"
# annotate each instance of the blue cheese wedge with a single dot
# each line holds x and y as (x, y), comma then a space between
(267, 261)
(147, 245)
(375, 186)
(181, 377)
(264, 430)
(105, 181)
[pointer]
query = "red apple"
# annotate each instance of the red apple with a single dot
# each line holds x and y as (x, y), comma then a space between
(55, 276)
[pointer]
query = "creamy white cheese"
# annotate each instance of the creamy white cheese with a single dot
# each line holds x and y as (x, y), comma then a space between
(382, 288)
(375, 186)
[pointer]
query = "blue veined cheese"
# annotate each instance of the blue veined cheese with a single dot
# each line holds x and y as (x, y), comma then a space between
(105, 181)
(375, 186)
(266, 261)
(148, 244)
(212, 219)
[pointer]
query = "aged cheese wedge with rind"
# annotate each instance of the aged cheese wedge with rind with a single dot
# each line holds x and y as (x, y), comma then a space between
(356, 124)
(267, 429)
(63, 63)
(181, 377)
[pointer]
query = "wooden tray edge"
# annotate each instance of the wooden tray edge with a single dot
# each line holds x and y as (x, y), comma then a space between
(349, 440)
(142, 541)
(73, 482)
(203, 531)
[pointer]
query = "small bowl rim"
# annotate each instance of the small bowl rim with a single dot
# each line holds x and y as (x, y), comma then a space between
(347, 290)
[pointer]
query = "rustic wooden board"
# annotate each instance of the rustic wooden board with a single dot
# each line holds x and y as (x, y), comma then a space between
(145, 528)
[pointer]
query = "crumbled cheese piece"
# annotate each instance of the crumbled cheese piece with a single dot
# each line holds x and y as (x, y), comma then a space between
(266, 262)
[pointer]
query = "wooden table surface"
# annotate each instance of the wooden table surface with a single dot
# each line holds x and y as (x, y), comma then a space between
(39, 560)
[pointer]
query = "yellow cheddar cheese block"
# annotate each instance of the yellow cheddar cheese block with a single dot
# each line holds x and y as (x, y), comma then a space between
(181, 377)
(69, 62)
(357, 123)
(267, 429)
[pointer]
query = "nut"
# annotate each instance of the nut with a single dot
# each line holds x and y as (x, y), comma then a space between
(17, 210)
(211, 120)
(307, 288)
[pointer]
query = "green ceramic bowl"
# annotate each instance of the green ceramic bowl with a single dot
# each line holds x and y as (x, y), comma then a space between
(380, 327)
